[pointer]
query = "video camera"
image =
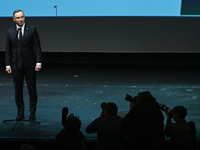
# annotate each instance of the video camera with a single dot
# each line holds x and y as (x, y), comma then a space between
(103, 105)
(163, 107)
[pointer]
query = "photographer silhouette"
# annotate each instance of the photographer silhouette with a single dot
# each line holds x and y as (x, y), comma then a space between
(108, 128)
(70, 137)
(182, 133)
(144, 123)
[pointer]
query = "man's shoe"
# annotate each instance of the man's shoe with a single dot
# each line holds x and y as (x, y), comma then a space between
(19, 118)
(32, 118)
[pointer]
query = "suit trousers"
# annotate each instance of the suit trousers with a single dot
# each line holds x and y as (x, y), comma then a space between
(18, 77)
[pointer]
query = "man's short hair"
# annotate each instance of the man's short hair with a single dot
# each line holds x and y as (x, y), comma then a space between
(16, 11)
(26, 147)
(145, 96)
(111, 108)
(180, 111)
(73, 124)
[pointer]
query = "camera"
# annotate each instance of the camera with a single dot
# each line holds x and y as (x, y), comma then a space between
(103, 105)
(163, 107)
(64, 115)
(129, 98)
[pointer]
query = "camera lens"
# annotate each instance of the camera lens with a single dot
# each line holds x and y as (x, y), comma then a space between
(103, 105)
(163, 107)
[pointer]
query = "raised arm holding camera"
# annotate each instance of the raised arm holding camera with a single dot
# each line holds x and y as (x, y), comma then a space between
(70, 137)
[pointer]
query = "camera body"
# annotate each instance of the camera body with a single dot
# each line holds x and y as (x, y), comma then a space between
(129, 98)
(163, 107)
(103, 105)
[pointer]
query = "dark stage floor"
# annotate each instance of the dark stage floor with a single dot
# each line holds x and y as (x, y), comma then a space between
(83, 89)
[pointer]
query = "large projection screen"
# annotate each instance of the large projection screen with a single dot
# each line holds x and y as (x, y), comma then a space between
(121, 26)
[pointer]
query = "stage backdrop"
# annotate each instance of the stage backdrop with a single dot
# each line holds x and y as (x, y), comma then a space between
(113, 34)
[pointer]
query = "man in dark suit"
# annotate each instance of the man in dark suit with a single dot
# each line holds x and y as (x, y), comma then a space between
(23, 58)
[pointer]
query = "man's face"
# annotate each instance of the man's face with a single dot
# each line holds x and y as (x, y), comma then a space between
(132, 104)
(175, 116)
(19, 18)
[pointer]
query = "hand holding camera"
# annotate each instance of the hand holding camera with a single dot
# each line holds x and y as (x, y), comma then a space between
(129, 98)
(167, 110)
(64, 115)
(103, 107)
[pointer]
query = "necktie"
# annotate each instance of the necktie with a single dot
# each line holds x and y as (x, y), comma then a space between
(20, 35)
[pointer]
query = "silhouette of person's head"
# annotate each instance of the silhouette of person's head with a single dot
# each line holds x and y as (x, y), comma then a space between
(144, 97)
(179, 112)
(26, 147)
(73, 124)
(111, 109)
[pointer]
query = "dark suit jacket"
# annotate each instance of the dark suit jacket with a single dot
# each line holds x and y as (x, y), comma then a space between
(145, 121)
(109, 132)
(28, 53)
